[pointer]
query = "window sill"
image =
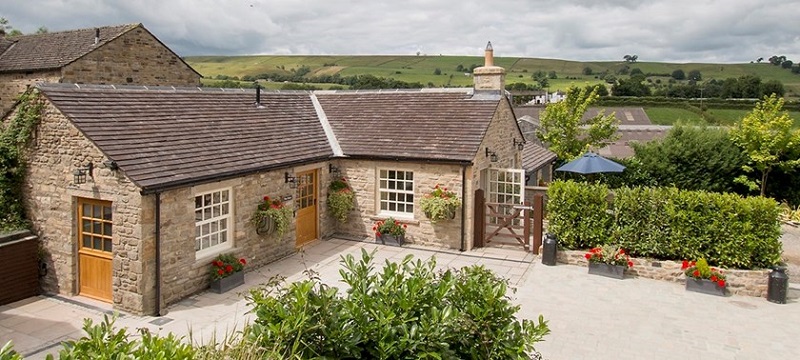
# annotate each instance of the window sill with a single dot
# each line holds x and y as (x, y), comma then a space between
(402, 220)
(205, 259)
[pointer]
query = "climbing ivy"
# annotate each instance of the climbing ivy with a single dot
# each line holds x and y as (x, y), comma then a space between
(15, 136)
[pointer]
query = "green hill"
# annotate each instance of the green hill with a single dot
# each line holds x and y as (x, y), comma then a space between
(421, 69)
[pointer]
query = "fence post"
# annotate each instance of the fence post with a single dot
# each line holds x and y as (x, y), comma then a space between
(526, 225)
(479, 218)
(538, 221)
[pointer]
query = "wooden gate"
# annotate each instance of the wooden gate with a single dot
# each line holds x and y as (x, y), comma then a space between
(502, 215)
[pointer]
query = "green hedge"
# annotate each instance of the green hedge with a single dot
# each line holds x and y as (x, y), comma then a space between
(667, 223)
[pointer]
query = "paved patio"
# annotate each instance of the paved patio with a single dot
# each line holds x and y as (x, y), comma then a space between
(589, 316)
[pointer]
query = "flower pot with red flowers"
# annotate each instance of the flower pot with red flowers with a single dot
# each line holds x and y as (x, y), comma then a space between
(440, 204)
(271, 216)
(226, 273)
(390, 232)
(704, 279)
(609, 261)
(341, 199)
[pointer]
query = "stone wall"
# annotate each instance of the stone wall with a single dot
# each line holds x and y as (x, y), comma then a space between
(51, 200)
(183, 273)
(363, 176)
(134, 58)
(14, 84)
(740, 282)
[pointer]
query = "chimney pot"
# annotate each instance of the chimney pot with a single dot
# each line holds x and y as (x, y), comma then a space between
(488, 55)
(96, 36)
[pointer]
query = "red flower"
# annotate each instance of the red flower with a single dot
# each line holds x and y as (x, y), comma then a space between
(630, 264)
(445, 189)
(266, 198)
(405, 226)
(588, 256)
(374, 228)
(721, 283)
(685, 265)
(377, 234)
(696, 273)
(714, 278)
(221, 272)
(621, 252)
(229, 268)
(243, 261)
(218, 263)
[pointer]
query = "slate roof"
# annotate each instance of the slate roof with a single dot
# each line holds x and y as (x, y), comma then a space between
(633, 133)
(625, 115)
(169, 137)
(416, 124)
(535, 156)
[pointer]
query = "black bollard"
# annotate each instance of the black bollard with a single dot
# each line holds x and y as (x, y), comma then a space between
(549, 249)
(778, 285)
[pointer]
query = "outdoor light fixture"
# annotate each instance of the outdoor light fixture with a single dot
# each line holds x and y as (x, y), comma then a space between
(491, 155)
(519, 144)
(291, 180)
(79, 175)
(333, 170)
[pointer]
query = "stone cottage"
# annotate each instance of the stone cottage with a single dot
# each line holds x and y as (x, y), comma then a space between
(133, 190)
(123, 54)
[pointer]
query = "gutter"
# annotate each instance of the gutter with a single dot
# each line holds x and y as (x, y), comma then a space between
(158, 253)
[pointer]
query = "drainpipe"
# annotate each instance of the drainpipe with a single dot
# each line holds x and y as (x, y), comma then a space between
(463, 207)
(158, 254)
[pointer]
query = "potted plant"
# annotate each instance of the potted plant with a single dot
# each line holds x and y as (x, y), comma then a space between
(390, 232)
(440, 204)
(608, 260)
(341, 199)
(226, 273)
(271, 215)
(704, 279)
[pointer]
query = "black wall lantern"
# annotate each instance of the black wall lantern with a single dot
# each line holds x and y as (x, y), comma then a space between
(79, 174)
(491, 155)
(519, 144)
(111, 165)
(291, 180)
(333, 170)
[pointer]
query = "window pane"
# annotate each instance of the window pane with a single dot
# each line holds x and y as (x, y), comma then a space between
(87, 225)
(225, 196)
(392, 185)
(107, 245)
(217, 197)
(214, 227)
(107, 229)
(409, 186)
(225, 209)
(97, 227)
(215, 209)
(384, 205)
(206, 199)
(207, 213)
(197, 231)
(97, 243)
(206, 228)
(383, 184)
(410, 208)
(400, 175)
(198, 215)
(97, 212)
(223, 236)
(409, 175)
(87, 241)
(392, 206)
(205, 243)
(106, 213)
(87, 210)
(223, 224)
(198, 202)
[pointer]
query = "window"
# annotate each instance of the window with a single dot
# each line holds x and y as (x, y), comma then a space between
(212, 216)
(396, 192)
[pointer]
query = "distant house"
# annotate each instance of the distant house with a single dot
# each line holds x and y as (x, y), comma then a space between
(123, 54)
(172, 176)
(634, 126)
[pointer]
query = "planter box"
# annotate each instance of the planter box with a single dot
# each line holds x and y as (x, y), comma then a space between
(390, 240)
(607, 270)
(704, 286)
(220, 286)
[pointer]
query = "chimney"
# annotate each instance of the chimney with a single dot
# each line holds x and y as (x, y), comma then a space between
(96, 36)
(258, 97)
(489, 77)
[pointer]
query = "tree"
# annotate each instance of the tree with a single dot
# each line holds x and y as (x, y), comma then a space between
(765, 135)
(631, 58)
(6, 27)
(787, 64)
(42, 30)
(772, 87)
(437, 71)
(695, 75)
(587, 71)
(777, 60)
(552, 75)
(567, 134)
(632, 87)
(678, 74)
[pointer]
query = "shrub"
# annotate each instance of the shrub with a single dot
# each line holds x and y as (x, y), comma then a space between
(439, 204)
(408, 310)
(577, 214)
(341, 199)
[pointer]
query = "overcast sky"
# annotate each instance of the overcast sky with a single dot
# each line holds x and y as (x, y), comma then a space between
(655, 30)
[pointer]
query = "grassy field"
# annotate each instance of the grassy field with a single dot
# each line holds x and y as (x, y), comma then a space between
(726, 117)
(421, 69)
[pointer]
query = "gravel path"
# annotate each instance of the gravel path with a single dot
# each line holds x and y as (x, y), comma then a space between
(791, 251)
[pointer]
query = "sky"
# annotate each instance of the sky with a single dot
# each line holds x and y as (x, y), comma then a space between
(677, 31)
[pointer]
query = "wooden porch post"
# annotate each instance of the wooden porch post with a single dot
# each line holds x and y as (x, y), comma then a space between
(538, 221)
(479, 218)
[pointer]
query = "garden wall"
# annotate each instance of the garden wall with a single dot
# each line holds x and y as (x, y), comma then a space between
(739, 282)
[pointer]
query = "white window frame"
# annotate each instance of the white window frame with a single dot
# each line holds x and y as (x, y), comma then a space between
(381, 190)
(228, 243)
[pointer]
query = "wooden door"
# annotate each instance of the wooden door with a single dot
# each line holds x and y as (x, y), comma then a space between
(94, 248)
(306, 207)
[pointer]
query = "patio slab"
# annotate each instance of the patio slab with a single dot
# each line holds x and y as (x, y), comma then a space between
(590, 316)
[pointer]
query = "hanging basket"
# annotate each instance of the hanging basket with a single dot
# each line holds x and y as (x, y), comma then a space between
(265, 226)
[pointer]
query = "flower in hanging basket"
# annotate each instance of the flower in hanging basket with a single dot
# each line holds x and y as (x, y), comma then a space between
(270, 209)
(226, 265)
(389, 226)
(609, 254)
(700, 270)
(341, 199)
(440, 204)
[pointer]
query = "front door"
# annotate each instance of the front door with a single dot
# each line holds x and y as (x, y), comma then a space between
(307, 207)
(94, 248)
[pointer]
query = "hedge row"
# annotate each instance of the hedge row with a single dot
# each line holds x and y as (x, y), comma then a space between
(711, 103)
(667, 223)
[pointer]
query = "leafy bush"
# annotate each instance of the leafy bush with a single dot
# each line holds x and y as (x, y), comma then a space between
(7, 352)
(406, 311)
(341, 199)
(576, 213)
(15, 135)
(102, 341)
(667, 223)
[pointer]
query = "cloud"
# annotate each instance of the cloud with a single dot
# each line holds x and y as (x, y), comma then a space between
(657, 30)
